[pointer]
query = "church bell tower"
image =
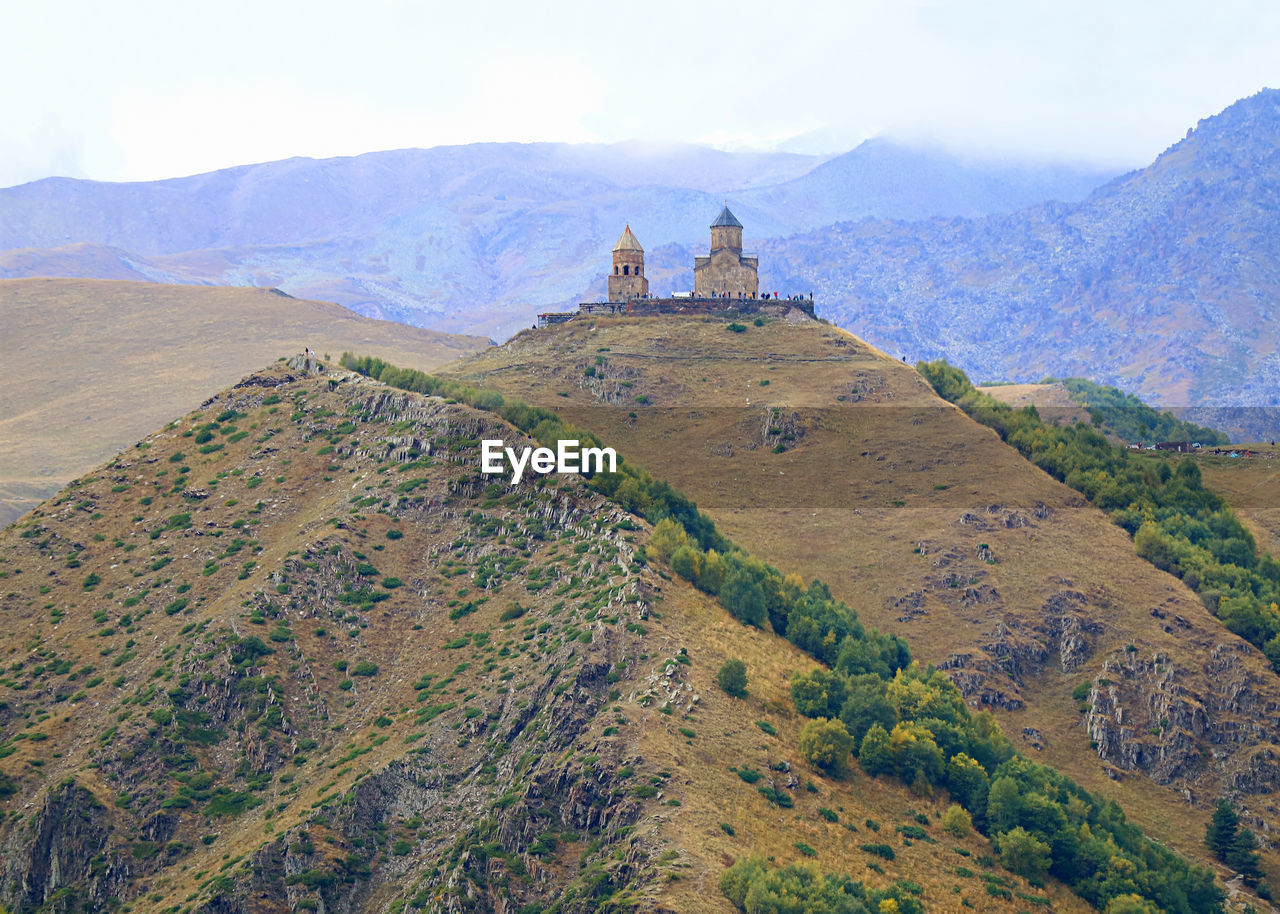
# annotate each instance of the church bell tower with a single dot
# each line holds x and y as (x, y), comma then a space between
(627, 281)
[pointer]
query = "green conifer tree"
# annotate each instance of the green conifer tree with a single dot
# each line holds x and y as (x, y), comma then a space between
(1242, 856)
(1220, 833)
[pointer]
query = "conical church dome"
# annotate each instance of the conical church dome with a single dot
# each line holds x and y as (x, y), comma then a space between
(627, 242)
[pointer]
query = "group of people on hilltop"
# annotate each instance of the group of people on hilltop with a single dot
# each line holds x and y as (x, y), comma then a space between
(764, 297)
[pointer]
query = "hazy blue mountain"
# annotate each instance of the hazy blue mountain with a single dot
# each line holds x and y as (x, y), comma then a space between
(478, 237)
(884, 179)
(1165, 281)
(299, 200)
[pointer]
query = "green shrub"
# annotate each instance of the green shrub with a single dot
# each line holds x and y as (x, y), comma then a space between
(957, 821)
(465, 609)
(1023, 853)
(732, 678)
(777, 797)
(145, 850)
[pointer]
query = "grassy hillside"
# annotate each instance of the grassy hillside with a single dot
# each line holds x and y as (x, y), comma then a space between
(292, 652)
(1053, 401)
(94, 365)
(829, 458)
(1248, 484)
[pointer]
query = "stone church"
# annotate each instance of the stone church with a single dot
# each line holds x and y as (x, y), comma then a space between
(726, 272)
(726, 281)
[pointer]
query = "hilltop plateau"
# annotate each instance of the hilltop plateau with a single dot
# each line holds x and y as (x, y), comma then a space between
(293, 652)
(1053, 400)
(1249, 485)
(825, 456)
(94, 365)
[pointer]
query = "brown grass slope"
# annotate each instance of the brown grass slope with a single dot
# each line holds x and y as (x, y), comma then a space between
(825, 456)
(1053, 401)
(1251, 485)
(93, 365)
(293, 653)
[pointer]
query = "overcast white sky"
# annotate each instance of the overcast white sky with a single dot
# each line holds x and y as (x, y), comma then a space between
(132, 90)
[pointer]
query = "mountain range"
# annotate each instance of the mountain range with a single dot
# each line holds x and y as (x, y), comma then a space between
(475, 239)
(1161, 281)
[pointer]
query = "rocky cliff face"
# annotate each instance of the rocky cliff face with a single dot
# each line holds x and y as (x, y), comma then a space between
(1143, 716)
(58, 856)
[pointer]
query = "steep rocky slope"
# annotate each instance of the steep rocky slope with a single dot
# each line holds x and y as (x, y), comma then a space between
(293, 652)
(825, 456)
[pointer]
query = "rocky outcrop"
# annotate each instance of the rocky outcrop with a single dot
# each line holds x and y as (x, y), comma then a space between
(1070, 626)
(61, 858)
(1144, 717)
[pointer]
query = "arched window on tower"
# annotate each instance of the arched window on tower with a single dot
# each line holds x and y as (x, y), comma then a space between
(615, 269)
(638, 268)
(626, 270)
